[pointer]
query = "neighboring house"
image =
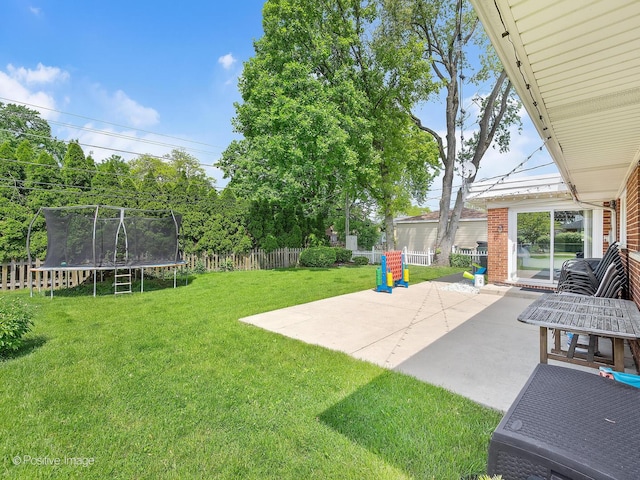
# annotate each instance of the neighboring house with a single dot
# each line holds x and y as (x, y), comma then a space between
(419, 233)
(332, 236)
(575, 69)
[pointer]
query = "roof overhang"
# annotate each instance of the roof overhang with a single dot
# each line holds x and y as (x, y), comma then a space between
(536, 188)
(576, 67)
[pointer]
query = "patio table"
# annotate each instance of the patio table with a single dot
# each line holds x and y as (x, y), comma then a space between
(580, 314)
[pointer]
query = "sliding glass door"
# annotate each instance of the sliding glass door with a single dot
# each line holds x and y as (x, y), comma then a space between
(545, 239)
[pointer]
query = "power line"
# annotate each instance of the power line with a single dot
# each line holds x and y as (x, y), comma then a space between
(16, 102)
(129, 137)
(113, 135)
(92, 192)
(89, 145)
(93, 172)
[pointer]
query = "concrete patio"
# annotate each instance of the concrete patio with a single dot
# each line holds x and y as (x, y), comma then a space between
(442, 333)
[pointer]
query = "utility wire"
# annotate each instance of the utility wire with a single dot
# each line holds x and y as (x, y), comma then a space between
(505, 176)
(69, 190)
(129, 137)
(37, 136)
(40, 107)
(94, 172)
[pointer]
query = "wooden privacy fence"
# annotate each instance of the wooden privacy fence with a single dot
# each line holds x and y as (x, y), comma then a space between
(253, 260)
(15, 275)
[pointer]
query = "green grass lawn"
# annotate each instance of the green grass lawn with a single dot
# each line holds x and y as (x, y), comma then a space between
(169, 384)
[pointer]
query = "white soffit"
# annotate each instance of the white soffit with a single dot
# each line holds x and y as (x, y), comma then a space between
(540, 186)
(576, 66)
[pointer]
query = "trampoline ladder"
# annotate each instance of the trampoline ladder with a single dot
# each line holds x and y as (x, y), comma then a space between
(122, 282)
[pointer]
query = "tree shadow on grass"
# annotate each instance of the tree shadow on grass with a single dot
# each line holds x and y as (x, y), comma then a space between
(421, 429)
(29, 345)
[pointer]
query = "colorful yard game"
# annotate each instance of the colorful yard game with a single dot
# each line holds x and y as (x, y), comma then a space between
(392, 272)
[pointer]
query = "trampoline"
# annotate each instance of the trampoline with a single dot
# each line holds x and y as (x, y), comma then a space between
(99, 238)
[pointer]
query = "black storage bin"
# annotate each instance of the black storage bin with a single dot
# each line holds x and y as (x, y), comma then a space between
(483, 249)
(568, 424)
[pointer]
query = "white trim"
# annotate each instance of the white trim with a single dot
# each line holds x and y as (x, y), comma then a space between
(623, 218)
(597, 242)
(512, 244)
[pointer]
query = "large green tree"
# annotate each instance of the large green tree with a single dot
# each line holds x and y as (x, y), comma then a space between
(452, 36)
(18, 123)
(77, 169)
(323, 110)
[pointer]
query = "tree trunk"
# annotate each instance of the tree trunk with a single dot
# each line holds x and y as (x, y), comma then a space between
(445, 234)
(390, 243)
(448, 239)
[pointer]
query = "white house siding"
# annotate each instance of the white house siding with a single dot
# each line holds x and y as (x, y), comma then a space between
(420, 235)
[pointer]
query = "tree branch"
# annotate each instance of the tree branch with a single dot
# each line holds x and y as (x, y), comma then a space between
(488, 128)
(437, 137)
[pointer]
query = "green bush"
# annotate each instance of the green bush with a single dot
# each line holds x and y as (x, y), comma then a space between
(318, 257)
(361, 260)
(569, 242)
(227, 265)
(270, 243)
(199, 267)
(342, 254)
(459, 260)
(15, 321)
(541, 245)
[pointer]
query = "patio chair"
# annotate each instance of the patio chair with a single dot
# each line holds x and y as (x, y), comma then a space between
(584, 276)
(610, 286)
(588, 267)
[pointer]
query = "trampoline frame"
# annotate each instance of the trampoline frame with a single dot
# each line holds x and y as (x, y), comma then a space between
(116, 265)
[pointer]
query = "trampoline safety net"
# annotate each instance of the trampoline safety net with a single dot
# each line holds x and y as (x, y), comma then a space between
(110, 237)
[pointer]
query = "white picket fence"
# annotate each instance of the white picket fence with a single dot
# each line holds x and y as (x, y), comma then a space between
(423, 258)
(478, 257)
(411, 258)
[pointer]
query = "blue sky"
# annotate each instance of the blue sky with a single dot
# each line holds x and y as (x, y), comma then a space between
(146, 77)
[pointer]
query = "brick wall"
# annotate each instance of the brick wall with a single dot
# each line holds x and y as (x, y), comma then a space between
(633, 234)
(606, 227)
(498, 244)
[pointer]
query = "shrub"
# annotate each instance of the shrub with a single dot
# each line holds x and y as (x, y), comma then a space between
(342, 254)
(569, 242)
(314, 241)
(318, 257)
(270, 243)
(361, 260)
(459, 260)
(15, 321)
(227, 265)
(200, 267)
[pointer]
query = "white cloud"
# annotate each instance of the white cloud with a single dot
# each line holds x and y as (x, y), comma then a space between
(37, 11)
(227, 61)
(41, 75)
(132, 112)
(101, 142)
(123, 109)
(12, 91)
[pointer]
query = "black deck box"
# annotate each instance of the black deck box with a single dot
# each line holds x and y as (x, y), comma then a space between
(568, 424)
